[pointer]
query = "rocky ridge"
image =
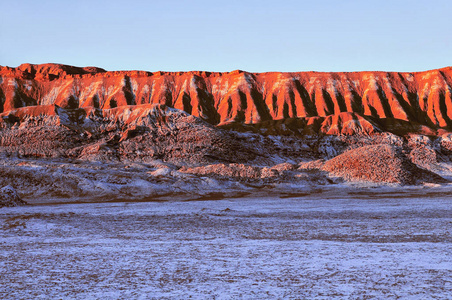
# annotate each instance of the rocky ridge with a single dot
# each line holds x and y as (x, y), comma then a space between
(331, 103)
(61, 137)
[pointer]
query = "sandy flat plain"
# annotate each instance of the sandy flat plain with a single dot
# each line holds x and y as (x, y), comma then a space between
(315, 246)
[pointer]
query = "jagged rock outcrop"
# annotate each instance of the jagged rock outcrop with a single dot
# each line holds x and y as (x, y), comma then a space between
(332, 103)
(379, 163)
(127, 133)
(145, 133)
(9, 197)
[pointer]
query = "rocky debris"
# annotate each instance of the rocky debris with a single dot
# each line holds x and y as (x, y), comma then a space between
(311, 165)
(226, 170)
(283, 176)
(47, 180)
(379, 163)
(424, 156)
(164, 137)
(9, 197)
(283, 167)
(63, 179)
(241, 171)
(141, 133)
(444, 143)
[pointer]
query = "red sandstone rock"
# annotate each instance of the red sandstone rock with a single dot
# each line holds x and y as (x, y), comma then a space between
(348, 102)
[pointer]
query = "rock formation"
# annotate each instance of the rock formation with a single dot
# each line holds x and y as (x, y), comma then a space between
(9, 197)
(70, 132)
(133, 133)
(331, 103)
(378, 163)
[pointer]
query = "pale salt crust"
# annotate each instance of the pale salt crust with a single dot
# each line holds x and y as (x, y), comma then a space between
(362, 246)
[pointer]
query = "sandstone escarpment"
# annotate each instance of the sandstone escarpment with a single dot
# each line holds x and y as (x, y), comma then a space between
(332, 103)
(239, 130)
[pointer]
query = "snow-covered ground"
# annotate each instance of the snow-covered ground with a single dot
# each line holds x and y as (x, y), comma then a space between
(320, 247)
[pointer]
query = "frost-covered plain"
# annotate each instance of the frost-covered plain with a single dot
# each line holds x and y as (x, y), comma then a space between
(358, 247)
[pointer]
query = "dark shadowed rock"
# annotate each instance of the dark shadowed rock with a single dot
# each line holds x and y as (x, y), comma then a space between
(9, 197)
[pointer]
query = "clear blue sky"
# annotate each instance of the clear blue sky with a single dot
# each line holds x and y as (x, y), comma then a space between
(256, 36)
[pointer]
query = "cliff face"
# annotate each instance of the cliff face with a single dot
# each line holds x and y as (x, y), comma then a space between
(334, 103)
(158, 133)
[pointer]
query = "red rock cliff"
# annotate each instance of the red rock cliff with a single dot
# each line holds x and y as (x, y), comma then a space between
(219, 98)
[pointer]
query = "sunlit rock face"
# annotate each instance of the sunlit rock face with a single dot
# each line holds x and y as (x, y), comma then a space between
(331, 103)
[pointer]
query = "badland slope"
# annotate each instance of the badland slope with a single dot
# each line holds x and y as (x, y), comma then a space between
(331, 103)
(68, 132)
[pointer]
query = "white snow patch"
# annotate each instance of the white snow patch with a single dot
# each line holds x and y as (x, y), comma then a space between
(145, 89)
(242, 82)
(163, 88)
(134, 86)
(331, 86)
(193, 85)
(111, 91)
(437, 84)
(12, 82)
(372, 82)
(426, 76)
(356, 83)
(221, 89)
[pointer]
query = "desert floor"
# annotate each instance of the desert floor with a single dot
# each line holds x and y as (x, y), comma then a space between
(324, 246)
